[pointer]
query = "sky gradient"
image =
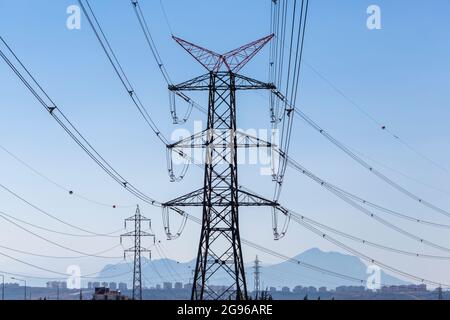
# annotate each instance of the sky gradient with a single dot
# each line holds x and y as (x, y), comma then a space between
(399, 74)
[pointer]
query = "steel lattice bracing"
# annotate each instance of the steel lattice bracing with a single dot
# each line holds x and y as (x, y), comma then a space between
(137, 250)
(219, 258)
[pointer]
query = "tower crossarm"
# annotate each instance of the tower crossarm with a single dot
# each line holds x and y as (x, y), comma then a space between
(238, 137)
(233, 60)
(202, 83)
(246, 199)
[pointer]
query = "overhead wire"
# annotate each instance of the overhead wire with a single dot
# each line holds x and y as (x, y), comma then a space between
(16, 195)
(70, 129)
(97, 255)
(60, 186)
(296, 166)
(384, 221)
(161, 66)
(377, 122)
(367, 258)
(366, 165)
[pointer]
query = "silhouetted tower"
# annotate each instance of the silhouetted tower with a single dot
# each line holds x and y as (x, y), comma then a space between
(257, 277)
(219, 257)
(137, 249)
(440, 293)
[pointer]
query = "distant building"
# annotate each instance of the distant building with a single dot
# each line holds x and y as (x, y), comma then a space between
(90, 286)
(188, 286)
(57, 284)
(113, 286)
(297, 289)
(323, 289)
(341, 289)
(123, 286)
(103, 293)
(272, 289)
(95, 285)
(178, 286)
(105, 284)
(312, 289)
(285, 289)
(158, 287)
(167, 285)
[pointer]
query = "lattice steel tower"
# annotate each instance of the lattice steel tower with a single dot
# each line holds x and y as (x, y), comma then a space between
(137, 249)
(257, 277)
(219, 258)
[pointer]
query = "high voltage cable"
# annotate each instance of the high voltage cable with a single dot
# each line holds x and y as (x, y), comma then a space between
(60, 186)
(56, 231)
(163, 9)
(59, 257)
(293, 215)
(289, 259)
(292, 82)
(377, 122)
(70, 129)
(97, 255)
(401, 173)
(161, 66)
(87, 276)
(104, 42)
(53, 271)
(383, 221)
(107, 48)
(296, 166)
(296, 217)
(149, 39)
(55, 217)
(363, 163)
(370, 168)
(367, 258)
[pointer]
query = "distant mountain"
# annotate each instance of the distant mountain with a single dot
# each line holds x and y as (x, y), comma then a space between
(283, 274)
(291, 274)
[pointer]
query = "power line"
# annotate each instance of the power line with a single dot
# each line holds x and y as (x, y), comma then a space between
(370, 168)
(383, 221)
(49, 270)
(60, 257)
(296, 166)
(104, 42)
(48, 240)
(297, 217)
(58, 185)
(377, 122)
(56, 231)
(44, 99)
(166, 18)
(289, 259)
(367, 258)
(10, 191)
(161, 66)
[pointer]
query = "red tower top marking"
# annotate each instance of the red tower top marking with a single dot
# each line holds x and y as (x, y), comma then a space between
(233, 60)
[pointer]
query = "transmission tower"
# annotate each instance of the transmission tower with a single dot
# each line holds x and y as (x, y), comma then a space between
(257, 277)
(219, 258)
(440, 293)
(137, 249)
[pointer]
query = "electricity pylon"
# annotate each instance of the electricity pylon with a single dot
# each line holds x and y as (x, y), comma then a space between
(137, 249)
(219, 258)
(257, 277)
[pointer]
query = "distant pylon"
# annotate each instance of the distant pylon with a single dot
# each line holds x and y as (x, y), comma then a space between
(257, 277)
(137, 249)
(440, 293)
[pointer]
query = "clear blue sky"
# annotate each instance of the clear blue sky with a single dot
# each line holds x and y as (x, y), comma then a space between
(399, 74)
